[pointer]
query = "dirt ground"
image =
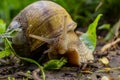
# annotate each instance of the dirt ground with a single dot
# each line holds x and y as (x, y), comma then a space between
(90, 72)
(75, 73)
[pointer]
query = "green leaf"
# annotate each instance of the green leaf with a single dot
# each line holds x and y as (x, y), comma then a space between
(14, 31)
(114, 31)
(4, 53)
(55, 64)
(7, 51)
(1, 44)
(2, 26)
(10, 33)
(89, 38)
(32, 61)
(14, 4)
(7, 47)
(4, 35)
(104, 26)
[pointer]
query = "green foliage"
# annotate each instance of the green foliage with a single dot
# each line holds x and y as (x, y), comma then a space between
(5, 52)
(9, 78)
(26, 59)
(104, 26)
(114, 31)
(34, 62)
(8, 8)
(55, 64)
(8, 47)
(80, 10)
(89, 38)
(2, 30)
(2, 26)
(3, 39)
(110, 10)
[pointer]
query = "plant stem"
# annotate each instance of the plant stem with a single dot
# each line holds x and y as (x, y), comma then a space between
(27, 59)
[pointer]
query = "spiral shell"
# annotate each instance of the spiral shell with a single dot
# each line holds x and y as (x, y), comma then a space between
(49, 21)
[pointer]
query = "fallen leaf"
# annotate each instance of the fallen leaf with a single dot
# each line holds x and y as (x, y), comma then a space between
(105, 78)
(104, 61)
(118, 77)
(109, 45)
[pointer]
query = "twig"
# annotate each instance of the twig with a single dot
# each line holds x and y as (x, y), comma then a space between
(104, 70)
(17, 74)
(108, 69)
(107, 46)
(27, 59)
(3, 61)
(6, 76)
(35, 74)
(87, 72)
(24, 74)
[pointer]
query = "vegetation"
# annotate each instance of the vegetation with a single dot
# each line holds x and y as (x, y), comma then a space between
(83, 12)
(89, 37)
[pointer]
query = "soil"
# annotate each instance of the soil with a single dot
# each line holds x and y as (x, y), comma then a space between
(90, 72)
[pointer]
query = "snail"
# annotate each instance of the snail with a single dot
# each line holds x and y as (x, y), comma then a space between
(45, 22)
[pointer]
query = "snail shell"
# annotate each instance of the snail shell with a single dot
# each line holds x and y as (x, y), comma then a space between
(52, 24)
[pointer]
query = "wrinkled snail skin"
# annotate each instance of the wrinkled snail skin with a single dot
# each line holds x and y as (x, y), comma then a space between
(47, 22)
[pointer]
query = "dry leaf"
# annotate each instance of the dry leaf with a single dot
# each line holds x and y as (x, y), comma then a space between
(104, 61)
(109, 45)
(118, 77)
(105, 78)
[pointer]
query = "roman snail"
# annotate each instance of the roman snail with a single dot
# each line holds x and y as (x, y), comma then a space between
(45, 22)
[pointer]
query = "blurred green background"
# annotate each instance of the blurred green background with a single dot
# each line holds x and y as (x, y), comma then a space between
(82, 11)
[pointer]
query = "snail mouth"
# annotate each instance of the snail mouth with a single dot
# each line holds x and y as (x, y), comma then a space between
(75, 57)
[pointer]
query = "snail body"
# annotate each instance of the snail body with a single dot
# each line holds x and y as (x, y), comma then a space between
(47, 22)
